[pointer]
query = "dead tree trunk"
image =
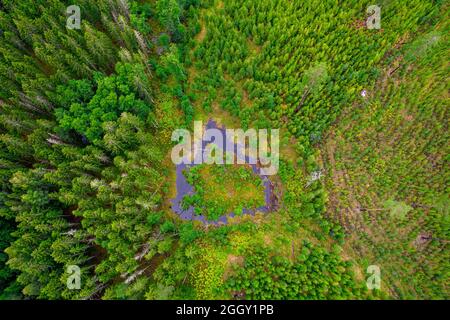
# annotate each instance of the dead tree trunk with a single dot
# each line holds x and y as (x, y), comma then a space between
(305, 95)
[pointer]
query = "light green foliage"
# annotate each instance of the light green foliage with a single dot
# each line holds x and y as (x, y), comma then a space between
(222, 189)
(398, 210)
(315, 274)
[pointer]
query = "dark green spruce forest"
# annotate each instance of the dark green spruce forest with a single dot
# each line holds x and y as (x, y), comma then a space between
(87, 183)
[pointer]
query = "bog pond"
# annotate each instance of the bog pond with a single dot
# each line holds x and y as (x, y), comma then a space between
(213, 193)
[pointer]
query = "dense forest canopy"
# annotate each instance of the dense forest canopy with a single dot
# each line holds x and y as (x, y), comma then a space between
(86, 118)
